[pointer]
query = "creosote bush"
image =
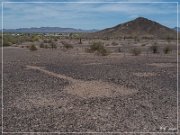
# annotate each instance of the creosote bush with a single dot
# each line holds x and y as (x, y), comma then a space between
(66, 45)
(41, 45)
(55, 39)
(53, 45)
(8, 40)
(119, 49)
(46, 46)
(143, 45)
(46, 41)
(6, 43)
(167, 50)
(114, 43)
(136, 51)
(33, 48)
(154, 48)
(98, 48)
(80, 40)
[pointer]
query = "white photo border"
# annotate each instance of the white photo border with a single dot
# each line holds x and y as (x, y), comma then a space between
(86, 2)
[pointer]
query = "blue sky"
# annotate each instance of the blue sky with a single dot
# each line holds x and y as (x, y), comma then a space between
(85, 15)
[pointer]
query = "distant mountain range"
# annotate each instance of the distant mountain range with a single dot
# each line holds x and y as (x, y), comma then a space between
(140, 27)
(47, 30)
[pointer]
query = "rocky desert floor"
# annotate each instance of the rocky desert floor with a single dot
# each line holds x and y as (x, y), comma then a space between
(70, 91)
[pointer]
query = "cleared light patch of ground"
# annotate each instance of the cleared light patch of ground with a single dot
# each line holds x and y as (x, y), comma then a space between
(88, 89)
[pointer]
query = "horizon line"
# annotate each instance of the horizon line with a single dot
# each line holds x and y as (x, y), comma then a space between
(86, 28)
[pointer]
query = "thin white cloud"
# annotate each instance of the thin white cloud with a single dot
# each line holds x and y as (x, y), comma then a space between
(137, 8)
(55, 9)
(69, 12)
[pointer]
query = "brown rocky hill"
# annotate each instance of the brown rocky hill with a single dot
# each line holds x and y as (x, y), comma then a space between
(140, 27)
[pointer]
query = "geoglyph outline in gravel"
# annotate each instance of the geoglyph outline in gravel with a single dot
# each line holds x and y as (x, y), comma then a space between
(88, 89)
(145, 74)
(95, 63)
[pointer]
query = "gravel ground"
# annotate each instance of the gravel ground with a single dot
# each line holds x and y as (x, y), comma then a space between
(38, 102)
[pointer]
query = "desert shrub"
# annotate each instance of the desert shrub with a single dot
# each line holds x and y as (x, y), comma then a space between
(167, 49)
(88, 50)
(136, 51)
(76, 35)
(33, 38)
(50, 41)
(119, 49)
(7, 43)
(33, 48)
(66, 45)
(71, 35)
(169, 38)
(80, 40)
(143, 45)
(98, 48)
(45, 41)
(154, 48)
(53, 45)
(8, 40)
(102, 52)
(114, 43)
(46, 46)
(136, 39)
(106, 38)
(147, 37)
(55, 39)
(41, 45)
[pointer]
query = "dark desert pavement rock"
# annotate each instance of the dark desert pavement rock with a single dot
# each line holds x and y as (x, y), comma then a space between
(37, 102)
